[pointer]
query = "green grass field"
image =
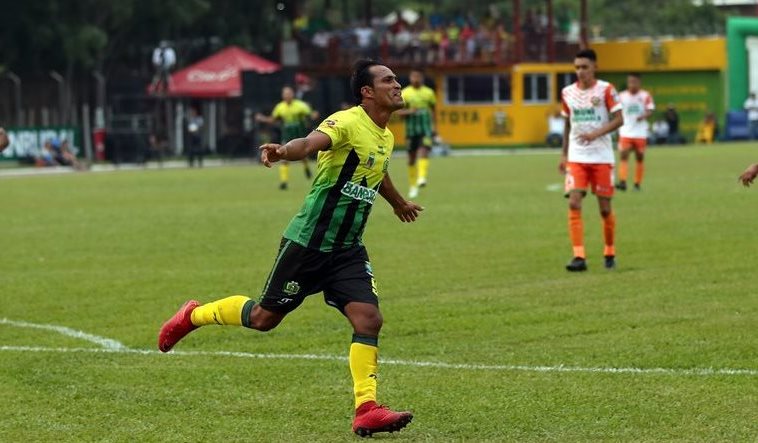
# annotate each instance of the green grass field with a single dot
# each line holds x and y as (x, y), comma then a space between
(478, 280)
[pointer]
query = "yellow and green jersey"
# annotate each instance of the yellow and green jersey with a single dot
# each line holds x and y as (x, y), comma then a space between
(422, 100)
(347, 182)
(294, 117)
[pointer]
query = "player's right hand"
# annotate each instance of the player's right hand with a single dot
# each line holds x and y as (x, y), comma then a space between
(749, 175)
(272, 153)
(562, 165)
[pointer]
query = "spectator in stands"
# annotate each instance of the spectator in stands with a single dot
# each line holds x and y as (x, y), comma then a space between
(164, 59)
(751, 106)
(46, 155)
(660, 131)
(555, 126)
(672, 119)
(707, 130)
(195, 150)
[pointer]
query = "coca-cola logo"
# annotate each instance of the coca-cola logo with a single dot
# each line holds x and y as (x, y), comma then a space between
(200, 76)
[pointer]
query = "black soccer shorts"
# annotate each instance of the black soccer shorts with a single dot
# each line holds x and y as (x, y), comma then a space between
(344, 276)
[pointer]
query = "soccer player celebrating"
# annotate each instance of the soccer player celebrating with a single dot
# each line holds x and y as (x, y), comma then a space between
(294, 115)
(637, 106)
(321, 249)
(419, 118)
(593, 111)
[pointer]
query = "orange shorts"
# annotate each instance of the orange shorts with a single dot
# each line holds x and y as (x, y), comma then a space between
(596, 176)
(638, 144)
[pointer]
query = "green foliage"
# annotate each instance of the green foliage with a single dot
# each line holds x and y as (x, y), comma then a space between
(478, 279)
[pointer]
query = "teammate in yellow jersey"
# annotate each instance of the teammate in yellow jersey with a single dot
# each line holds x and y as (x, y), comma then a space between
(294, 115)
(419, 128)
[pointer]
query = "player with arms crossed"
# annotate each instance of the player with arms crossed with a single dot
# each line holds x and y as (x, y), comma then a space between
(419, 127)
(637, 106)
(593, 111)
(322, 249)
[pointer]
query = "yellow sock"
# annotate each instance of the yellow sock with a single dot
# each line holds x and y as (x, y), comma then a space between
(412, 175)
(423, 168)
(363, 367)
(234, 310)
(284, 172)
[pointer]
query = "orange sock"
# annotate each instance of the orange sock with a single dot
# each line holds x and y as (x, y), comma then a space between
(609, 232)
(638, 172)
(623, 170)
(576, 232)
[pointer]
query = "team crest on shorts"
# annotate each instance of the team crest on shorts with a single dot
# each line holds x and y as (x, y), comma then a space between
(291, 288)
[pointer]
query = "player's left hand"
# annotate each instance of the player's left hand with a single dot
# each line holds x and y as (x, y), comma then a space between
(586, 138)
(272, 153)
(749, 175)
(408, 211)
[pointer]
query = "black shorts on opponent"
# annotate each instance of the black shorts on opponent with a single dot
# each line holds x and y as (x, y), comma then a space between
(344, 276)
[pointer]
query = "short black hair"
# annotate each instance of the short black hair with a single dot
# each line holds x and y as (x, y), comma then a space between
(635, 75)
(587, 53)
(361, 76)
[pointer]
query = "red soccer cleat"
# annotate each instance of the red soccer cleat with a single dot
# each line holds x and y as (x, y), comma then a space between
(177, 326)
(371, 418)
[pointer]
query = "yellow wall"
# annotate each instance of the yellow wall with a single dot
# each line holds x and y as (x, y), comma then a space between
(695, 54)
(500, 124)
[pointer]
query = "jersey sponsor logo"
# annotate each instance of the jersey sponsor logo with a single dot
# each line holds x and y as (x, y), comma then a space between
(380, 150)
(291, 288)
(584, 115)
(358, 192)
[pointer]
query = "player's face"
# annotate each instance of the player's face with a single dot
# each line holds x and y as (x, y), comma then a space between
(585, 70)
(288, 94)
(386, 88)
(416, 78)
(633, 83)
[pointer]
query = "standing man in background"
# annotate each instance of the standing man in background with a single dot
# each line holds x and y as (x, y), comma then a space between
(751, 106)
(293, 115)
(419, 127)
(593, 111)
(4, 141)
(637, 106)
(196, 150)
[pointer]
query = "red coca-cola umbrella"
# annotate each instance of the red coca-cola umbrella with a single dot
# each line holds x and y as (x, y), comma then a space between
(219, 75)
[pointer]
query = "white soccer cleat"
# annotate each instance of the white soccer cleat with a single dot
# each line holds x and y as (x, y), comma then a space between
(413, 192)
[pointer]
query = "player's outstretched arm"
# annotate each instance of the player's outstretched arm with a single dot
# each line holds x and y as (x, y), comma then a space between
(749, 175)
(4, 141)
(296, 149)
(406, 210)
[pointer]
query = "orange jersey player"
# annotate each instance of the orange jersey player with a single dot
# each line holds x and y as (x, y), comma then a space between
(638, 105)
(593, 111)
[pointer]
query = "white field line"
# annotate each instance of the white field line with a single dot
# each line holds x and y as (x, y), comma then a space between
(410, 363)
(106, 343)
